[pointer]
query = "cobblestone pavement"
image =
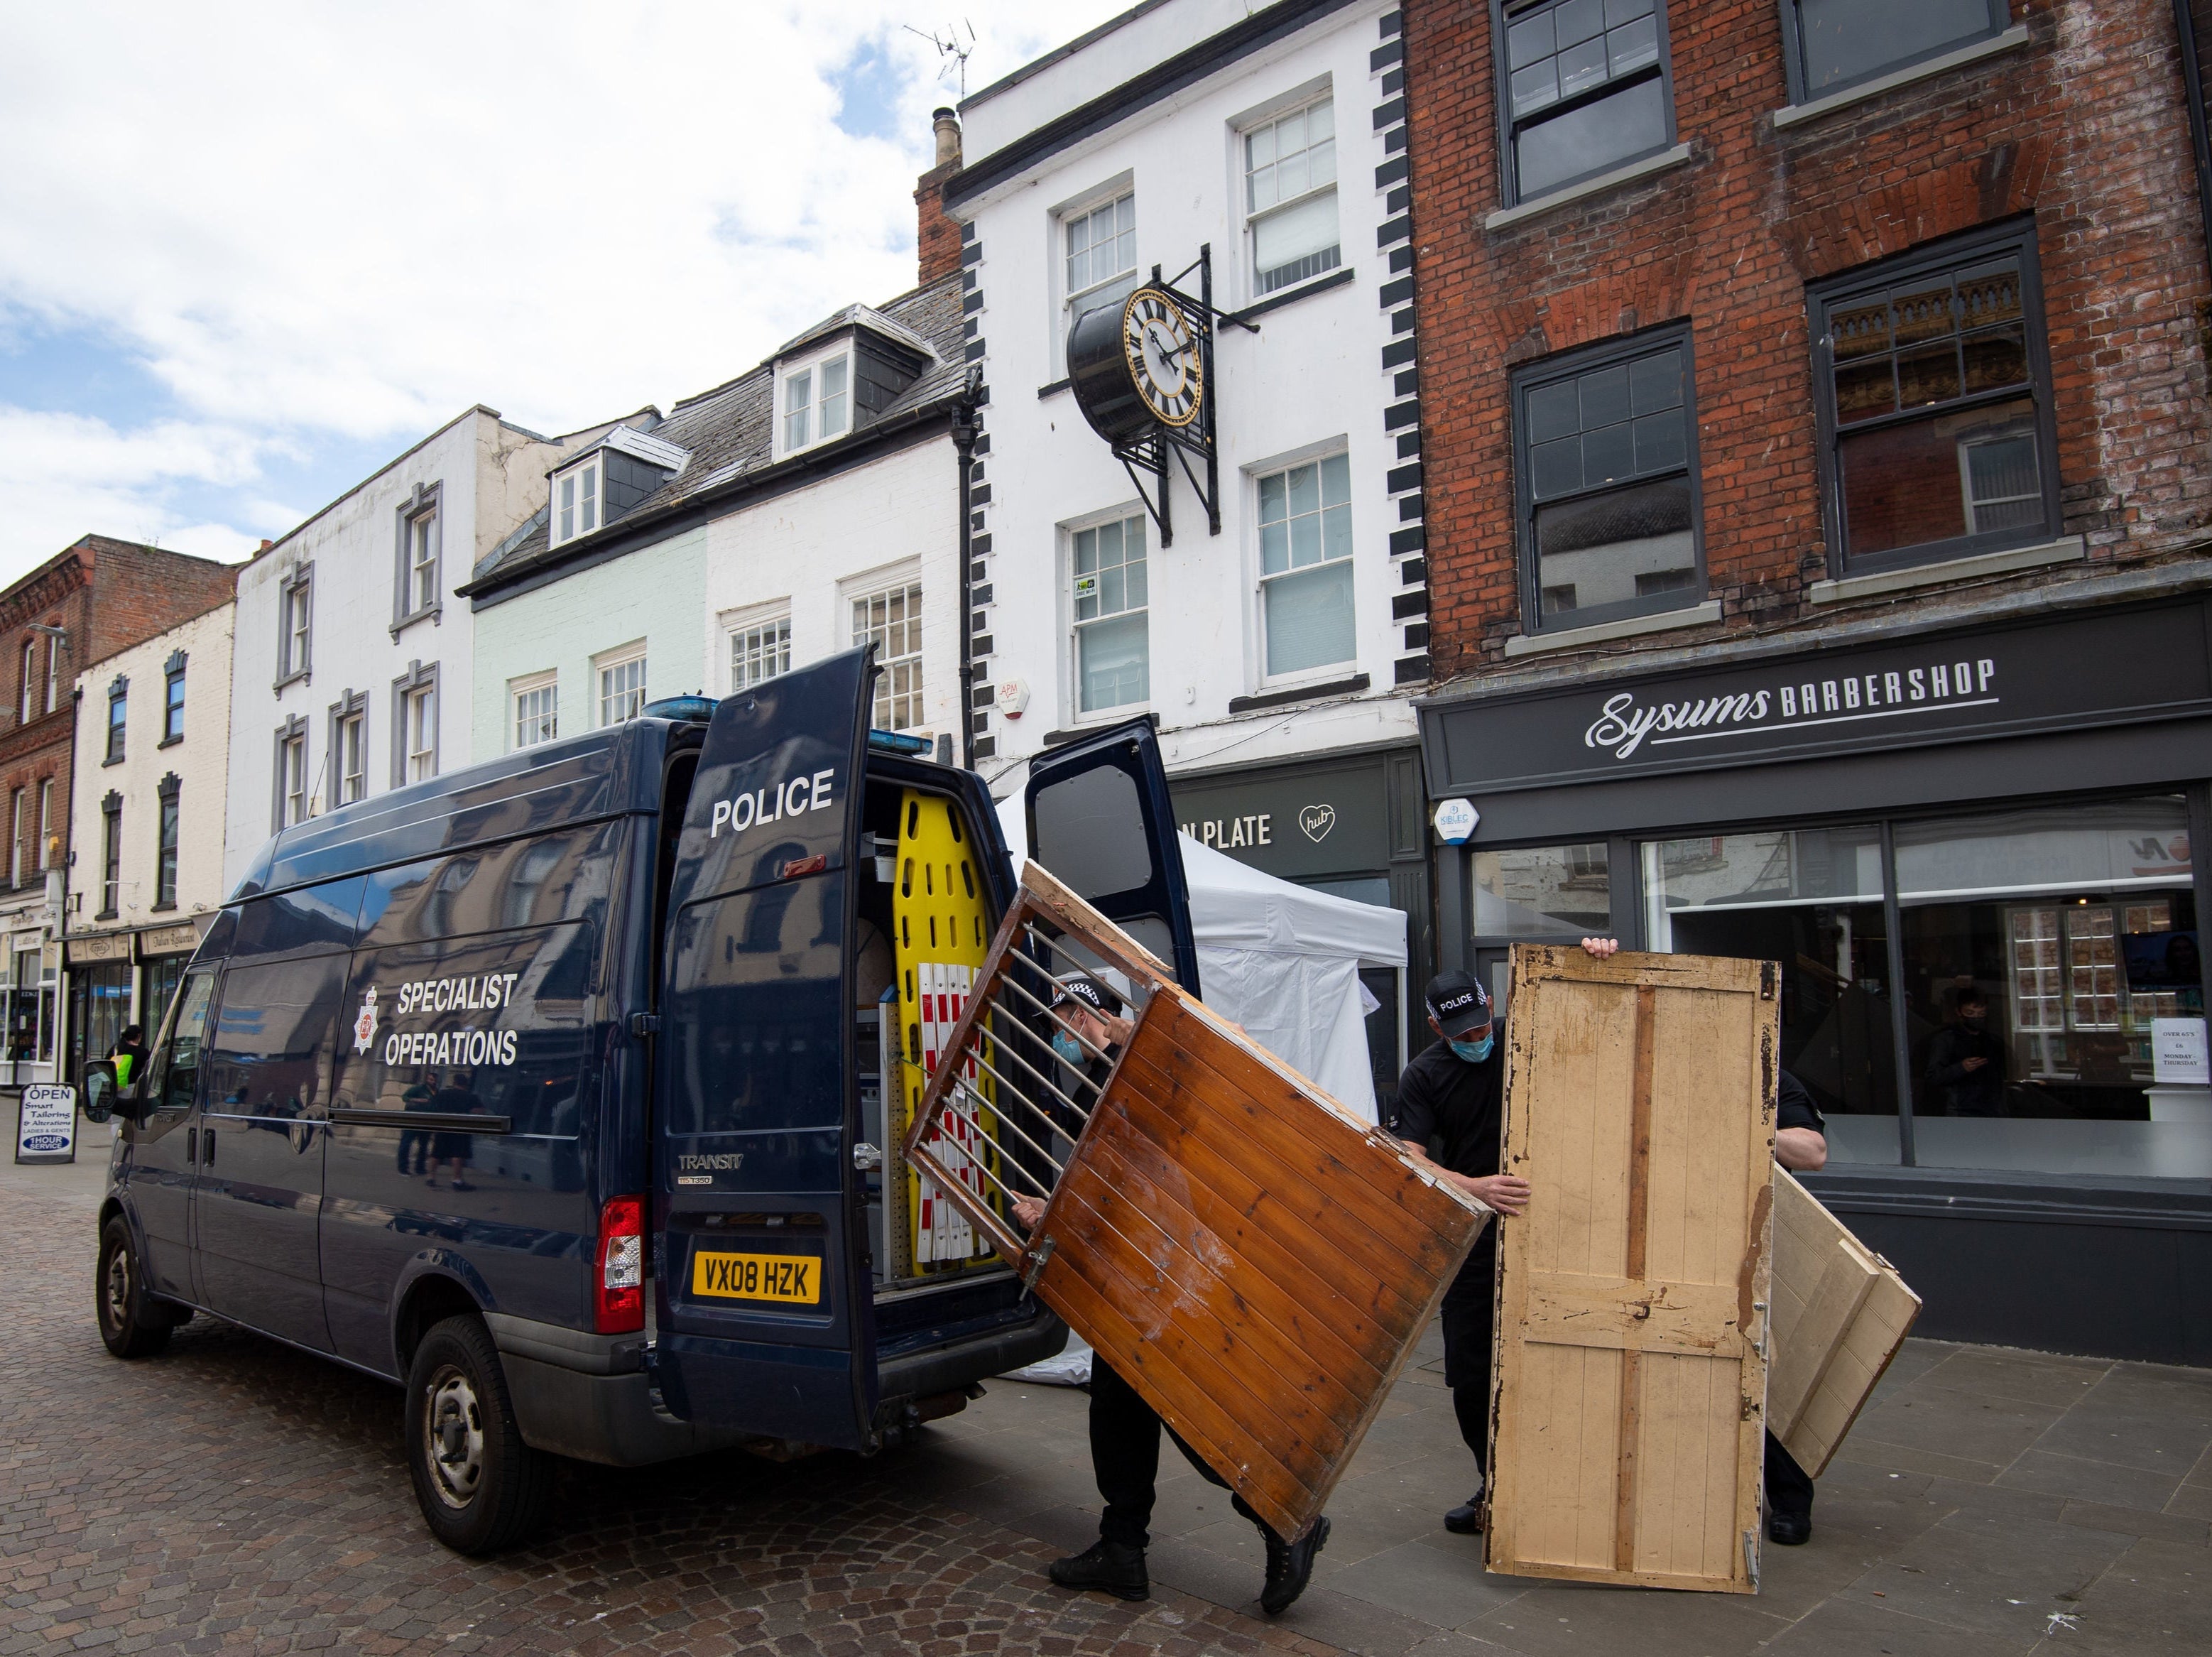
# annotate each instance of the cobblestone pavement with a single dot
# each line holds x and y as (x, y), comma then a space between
(235, 1496)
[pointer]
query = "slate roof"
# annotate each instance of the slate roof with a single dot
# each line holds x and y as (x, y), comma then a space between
(729, 430)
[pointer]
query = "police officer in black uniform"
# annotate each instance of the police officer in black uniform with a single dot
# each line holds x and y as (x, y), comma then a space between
(1125, 1430)
(1451, 1096)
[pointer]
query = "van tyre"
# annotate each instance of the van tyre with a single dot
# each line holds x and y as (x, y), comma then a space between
(133, 1322)
(481, 1488)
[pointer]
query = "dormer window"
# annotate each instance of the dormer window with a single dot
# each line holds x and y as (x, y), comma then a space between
(817, 402)
(576, 500)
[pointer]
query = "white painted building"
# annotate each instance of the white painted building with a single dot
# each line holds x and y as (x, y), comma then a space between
(1278, 656)
(810, 504)
(350, 643)
(146, 816)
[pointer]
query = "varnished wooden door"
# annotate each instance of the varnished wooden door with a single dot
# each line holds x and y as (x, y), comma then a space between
(1631, 1381)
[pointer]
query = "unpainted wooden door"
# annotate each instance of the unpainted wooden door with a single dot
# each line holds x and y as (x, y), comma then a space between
(1630, 1388)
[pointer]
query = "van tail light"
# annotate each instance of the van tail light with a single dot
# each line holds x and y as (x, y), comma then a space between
(620, 1285)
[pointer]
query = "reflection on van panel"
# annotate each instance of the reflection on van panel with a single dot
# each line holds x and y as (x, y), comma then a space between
(490, 1061)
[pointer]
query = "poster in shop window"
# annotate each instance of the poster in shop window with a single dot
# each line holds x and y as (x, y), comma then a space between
(45, 1130)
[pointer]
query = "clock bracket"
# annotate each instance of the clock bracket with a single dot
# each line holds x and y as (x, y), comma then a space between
(1192, 446)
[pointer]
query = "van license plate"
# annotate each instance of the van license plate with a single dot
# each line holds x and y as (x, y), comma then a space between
(788, 1277)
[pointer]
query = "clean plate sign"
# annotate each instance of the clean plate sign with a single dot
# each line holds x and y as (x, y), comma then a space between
(2105, 669)
(46, 1129)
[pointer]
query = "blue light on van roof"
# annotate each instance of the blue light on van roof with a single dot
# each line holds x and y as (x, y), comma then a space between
(898, 742)
(699, 708)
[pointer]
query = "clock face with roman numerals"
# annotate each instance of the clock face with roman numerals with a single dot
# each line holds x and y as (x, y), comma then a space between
(1161, 350)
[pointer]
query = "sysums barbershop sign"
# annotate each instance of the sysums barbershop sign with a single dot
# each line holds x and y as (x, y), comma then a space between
(1888, 693)
(2073, 672)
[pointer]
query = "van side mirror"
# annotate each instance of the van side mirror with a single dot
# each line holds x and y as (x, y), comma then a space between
(100, 1092)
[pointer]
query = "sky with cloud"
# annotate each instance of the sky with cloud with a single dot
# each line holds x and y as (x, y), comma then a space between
(249, 252)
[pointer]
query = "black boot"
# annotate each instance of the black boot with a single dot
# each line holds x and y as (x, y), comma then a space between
(1289, 1567)
(1108, 1567)
(1790, 1530)
(1466, 1519)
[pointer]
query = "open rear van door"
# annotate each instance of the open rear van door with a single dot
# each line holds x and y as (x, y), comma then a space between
(1100, 819)
(763, 1303)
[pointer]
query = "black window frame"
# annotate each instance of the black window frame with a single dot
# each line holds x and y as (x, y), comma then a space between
(1568, 365)
(165, 839)
(111, 856)
(2016, 236)
(1793, 52)
(173, 701)
(118, 717)
(1509, 154)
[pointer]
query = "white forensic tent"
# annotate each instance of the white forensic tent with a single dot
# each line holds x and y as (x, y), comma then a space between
(1283, 960)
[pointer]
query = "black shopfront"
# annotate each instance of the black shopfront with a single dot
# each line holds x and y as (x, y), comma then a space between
(1349, 824)
(1985, 840)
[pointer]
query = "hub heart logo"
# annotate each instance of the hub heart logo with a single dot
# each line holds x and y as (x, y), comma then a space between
(1317, 821)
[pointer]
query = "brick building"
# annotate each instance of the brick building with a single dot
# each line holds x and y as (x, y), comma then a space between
(1814, 422)
(98, 597)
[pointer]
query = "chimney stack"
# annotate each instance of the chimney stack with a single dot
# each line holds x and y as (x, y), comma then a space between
(938, 238)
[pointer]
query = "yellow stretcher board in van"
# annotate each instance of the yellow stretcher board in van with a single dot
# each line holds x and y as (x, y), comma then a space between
(940, 909)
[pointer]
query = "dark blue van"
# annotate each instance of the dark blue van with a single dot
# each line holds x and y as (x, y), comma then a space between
(556, 1090)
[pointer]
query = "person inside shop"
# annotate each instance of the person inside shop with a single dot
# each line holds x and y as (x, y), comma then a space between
(1801, 1145)
(130, 1055)
(1125, 1430)
(1966, 1060)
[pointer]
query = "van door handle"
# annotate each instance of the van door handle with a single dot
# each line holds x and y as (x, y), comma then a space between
(206, 1147)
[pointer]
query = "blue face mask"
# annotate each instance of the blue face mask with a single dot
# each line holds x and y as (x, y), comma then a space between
(1475, 1051)
(1067, 1047)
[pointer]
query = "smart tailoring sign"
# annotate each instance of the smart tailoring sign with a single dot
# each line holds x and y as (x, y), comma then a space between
(46, 1131)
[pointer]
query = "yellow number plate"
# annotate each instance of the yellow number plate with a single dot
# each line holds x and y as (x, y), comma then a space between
(789, 1277)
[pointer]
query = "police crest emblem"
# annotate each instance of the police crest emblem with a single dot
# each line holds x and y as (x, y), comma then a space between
(364, 1027)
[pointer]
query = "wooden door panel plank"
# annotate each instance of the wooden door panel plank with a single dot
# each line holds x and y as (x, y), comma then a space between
(1631, 1384)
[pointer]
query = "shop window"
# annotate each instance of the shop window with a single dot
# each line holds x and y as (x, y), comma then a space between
(1831, 45)
(1936, 404)
(1542, 892)
(1109, 600)
(1586, 86)
(2056, 945)
(1289, 196)
(1811, 900)
(1305, 567)
(1607, 459)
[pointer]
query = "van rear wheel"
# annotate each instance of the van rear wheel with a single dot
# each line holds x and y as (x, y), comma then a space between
(131, 1323)
(481, 1488)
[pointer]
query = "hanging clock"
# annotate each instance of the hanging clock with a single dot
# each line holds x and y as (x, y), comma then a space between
(1137, 365)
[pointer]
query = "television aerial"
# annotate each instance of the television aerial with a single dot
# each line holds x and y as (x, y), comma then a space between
(948, 46)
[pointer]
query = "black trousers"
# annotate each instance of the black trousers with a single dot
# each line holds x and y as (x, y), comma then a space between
(1125, 1458)
(1469, 1316)
(1788, 1490)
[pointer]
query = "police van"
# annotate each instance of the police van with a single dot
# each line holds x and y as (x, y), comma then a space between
(568, 1090)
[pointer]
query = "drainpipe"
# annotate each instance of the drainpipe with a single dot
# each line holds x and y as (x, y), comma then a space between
(967, 426)
(2200, 140)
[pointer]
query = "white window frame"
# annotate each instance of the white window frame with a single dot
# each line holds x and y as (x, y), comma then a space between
(29, 701)
(418, 730)
(517, 721)
(752, 635)
(54, 673)
(1063, 218)
(351, 757)
(1301, 102)
(586, 492)
(423, 562)
(46, 823)
(292, 755)
(15, 840)
(1074, 624)
(904, 679)
(805, 379)
(1263, 678)
(609, 705)
(299, 601)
